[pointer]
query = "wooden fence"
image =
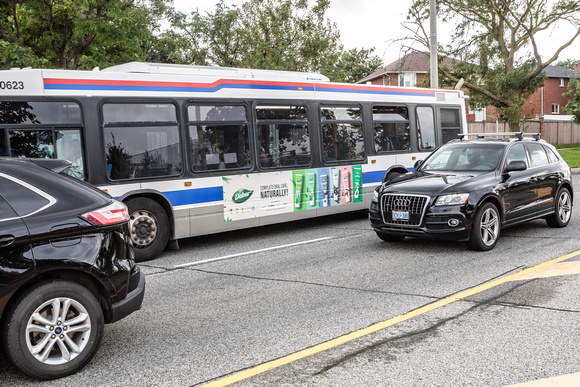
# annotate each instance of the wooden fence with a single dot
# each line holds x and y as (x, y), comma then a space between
(554, 132)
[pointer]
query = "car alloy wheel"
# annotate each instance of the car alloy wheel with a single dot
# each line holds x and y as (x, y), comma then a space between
(485, 229)
(489, 226)
(53, 329)
(562, 211)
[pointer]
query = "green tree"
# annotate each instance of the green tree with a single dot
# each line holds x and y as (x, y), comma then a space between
(495, 42)
(74, 34)
(352, 65)
(287, 35)
(268, 34)
(573, 105)
(213, 38)
(567, 63)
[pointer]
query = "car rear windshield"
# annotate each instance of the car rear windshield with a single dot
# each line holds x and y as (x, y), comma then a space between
(465, 158)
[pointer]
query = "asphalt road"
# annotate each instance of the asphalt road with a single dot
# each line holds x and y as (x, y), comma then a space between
(228, 303)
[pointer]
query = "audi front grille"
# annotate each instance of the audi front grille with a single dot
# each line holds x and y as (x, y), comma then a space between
(394, 209)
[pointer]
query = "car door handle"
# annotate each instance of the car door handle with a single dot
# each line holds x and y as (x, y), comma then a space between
(6, 240)
(533, 179)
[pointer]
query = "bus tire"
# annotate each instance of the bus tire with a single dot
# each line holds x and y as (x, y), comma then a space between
(148, 228)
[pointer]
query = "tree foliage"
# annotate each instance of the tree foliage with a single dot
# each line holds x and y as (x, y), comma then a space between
(269, 34)
(266, 34)
(495, 44)
(573, 105)
(567, 63)
(74, 34)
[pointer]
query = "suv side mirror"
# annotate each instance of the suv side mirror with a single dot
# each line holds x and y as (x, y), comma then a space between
(516, 165)
(417, 164)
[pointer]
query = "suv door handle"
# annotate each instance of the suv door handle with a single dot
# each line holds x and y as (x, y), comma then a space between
(6, 240)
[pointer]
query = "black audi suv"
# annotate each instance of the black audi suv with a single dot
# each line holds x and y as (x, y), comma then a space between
(66, 268)
(469, 189)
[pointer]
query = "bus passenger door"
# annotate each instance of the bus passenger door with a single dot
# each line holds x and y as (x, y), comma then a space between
(426, 138)
(450, 124)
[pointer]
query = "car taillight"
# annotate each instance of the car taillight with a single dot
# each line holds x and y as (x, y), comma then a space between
(116, 212)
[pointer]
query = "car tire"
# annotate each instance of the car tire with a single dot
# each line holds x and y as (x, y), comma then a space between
(148, 228)
(562, 210)
(41, 344)
(389, 237)
(485, 229)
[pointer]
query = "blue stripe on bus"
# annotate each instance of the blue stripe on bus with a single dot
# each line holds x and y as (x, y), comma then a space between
(195, 196)
(380, 92)
(171, 88)
(375, 177)
(215, 88)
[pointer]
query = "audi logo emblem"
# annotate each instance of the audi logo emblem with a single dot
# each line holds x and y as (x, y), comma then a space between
(402, 202)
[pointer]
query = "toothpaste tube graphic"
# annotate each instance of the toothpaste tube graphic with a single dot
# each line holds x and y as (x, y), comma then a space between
(336, 184)
(311, 189)
(324, 189)
(298, 194)
(346, 186)
(356, 176)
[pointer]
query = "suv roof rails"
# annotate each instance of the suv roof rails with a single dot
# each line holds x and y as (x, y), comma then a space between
(55, 165)
(518, 135)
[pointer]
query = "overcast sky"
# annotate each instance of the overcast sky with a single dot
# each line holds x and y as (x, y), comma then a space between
(373, 23)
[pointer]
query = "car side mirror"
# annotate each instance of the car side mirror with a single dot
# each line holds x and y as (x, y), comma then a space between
(417, 164)
(516, 165)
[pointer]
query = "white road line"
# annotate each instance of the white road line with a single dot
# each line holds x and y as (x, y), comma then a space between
(249, 252)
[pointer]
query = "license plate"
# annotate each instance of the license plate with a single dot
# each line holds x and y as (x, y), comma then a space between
(400, 215)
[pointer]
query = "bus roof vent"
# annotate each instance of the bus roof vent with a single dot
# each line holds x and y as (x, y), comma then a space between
(210, 71)
(440, 97)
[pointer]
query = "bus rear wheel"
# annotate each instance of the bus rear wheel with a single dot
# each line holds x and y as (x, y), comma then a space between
(148, 227)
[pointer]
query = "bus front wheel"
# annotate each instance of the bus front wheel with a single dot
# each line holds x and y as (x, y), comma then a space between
(149, 228)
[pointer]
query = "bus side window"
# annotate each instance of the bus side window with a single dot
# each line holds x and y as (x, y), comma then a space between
(283, 136)
(391, 124)
(426, 128)
(450, 124)
(3, 145)
(68, 147)
(342, 133)
(145, 143)
(218, 137)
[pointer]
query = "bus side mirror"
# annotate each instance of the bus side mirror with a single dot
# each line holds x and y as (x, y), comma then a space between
(417, 164)
(516, 165)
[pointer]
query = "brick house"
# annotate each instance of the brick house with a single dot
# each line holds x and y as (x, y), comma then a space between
(547, 101)
(408, 71)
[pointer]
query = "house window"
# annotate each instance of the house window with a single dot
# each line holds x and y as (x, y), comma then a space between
(555, 108)
(561, 82)
(407, 79)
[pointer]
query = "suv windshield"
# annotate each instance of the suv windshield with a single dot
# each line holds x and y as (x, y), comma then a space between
(465, 158)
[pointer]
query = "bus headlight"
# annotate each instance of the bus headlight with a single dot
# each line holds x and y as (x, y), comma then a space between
(453, 199)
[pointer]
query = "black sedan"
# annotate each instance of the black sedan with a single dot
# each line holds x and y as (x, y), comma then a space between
(66, 268)
(468, 190)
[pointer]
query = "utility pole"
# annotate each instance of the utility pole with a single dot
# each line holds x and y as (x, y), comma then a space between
(433, 43)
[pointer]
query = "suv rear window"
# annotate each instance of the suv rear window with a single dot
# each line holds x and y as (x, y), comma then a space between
(23, 198)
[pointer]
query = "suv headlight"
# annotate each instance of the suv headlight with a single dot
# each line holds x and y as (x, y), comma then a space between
(376, 196)
(453, 199)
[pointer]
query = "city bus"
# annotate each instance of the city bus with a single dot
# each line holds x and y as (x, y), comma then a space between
(198, 150)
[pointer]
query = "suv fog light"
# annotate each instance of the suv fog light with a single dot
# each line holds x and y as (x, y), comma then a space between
(453, 222)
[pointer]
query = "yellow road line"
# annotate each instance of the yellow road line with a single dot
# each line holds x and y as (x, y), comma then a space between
(239, 376)
(557, 269)
(558, 381)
